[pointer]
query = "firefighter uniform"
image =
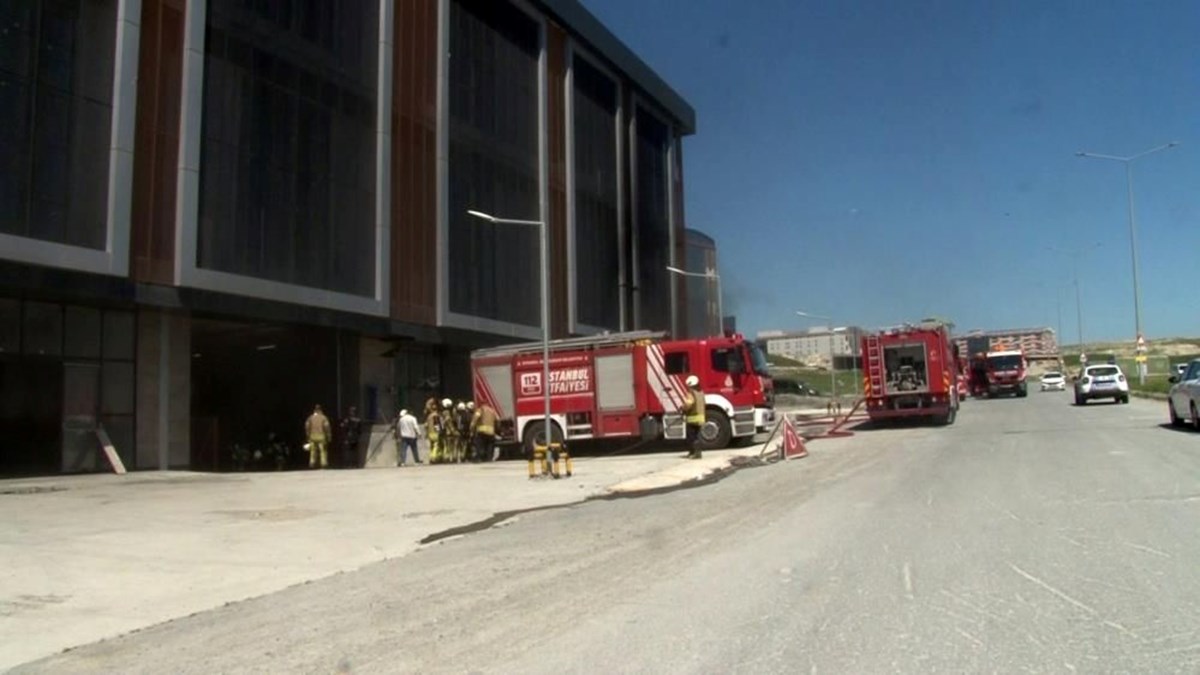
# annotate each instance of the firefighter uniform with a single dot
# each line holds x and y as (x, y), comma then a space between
(317, 431)
(483, 428)
(693, 411)
(451, 445)
(433, 431)
(462, 425)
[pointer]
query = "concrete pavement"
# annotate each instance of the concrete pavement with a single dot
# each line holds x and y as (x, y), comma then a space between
(92, 557)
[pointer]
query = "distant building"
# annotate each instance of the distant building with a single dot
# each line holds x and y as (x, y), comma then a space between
(1037, 343)
(702, 295)
(813, 344)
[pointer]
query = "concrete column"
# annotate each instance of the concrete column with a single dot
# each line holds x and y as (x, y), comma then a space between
(164, 386)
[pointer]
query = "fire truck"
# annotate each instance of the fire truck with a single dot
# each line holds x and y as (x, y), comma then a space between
(625, 385)
(911, 371)
(1003, 372)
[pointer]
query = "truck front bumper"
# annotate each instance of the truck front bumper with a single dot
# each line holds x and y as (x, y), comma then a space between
(764, 419)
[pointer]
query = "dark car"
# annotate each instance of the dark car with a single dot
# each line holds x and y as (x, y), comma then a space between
(794, 387)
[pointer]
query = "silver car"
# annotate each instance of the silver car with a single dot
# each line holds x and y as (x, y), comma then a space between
(1184, 396)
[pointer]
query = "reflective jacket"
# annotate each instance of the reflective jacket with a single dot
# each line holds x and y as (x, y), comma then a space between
(693, 407)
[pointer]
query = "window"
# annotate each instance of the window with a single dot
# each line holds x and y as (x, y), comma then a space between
(1193, 371)
(728, 360)
(287, 177)
(56, 71)
(597, 246)
(494, 164)
(677, 363)
(653, 233)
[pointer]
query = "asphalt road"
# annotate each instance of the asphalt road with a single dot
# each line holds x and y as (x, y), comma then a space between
(1032, 536)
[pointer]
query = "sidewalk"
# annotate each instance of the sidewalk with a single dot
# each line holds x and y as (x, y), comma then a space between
(92, 557)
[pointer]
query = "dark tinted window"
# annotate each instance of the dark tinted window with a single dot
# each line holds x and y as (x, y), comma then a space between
(56, 69)
(596, 202)
(494, 164)
(287, 187)
(653, 232)
(677, 363)
(728, 360)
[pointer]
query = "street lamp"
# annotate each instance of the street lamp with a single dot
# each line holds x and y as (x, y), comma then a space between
(1137, 291)
(710, 275)
(1075, 256)
(832, 333)
(545, 284)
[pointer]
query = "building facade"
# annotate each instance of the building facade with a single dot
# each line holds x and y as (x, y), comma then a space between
(702, 293)
(1037, 343)
(814, 345)
(214, 214)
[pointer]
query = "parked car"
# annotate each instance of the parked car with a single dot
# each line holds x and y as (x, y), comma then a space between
(794, 387)
(1184, 396)
(1103, 381)
(1054, 381)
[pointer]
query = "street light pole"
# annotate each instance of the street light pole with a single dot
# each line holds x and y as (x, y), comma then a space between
(1075, 256)
(709, 275)
(832, 363)
(1133, 252)
(545, 284)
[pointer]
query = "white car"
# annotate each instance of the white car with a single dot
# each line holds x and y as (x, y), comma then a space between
(1102, 381)
(1054, 382)
(1184, 396)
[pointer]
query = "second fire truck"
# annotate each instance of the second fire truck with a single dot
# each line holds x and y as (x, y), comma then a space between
(625, 385)
(911, 371)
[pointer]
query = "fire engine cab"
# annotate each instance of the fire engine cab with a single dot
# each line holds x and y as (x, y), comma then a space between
(625, 385)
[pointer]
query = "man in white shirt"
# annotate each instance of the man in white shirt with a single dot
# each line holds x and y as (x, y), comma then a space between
(407, 431)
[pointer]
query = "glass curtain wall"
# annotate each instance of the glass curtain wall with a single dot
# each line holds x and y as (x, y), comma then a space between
(653, 232)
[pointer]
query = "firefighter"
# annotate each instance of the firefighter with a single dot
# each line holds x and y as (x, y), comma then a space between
(693, 415)
(462, 422)
(483, 429)
(317, 431)
(433, 430)
(450, 442)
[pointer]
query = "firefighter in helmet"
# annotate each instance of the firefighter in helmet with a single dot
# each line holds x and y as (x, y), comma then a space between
(462, 422)
(450, 445)
(433, 430)
(693, 415)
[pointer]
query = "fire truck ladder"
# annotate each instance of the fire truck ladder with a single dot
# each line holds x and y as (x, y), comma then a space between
(875, 365)
(585, 342)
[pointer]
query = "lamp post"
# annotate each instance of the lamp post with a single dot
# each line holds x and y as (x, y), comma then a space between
(832, 333)
(1137, 291)
(710, 275)
(1075, 256)
(545, 284)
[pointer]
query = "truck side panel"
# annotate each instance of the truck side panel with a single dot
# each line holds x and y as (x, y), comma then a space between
(616, 397)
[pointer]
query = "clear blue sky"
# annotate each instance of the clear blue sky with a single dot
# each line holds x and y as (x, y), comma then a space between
(889, 160)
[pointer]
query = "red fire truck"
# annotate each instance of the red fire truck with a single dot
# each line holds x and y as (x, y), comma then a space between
(911, 371)
(625, 385)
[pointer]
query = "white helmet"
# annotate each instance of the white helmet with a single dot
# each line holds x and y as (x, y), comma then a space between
(446, 403)
(470, 405)
(461, 406)
(403, 412)
(692, 381)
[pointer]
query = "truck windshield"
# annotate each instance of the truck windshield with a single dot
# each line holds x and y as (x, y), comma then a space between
(759, 360)
(1005, 362)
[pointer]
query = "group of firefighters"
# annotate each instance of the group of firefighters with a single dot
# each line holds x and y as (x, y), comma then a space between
(462, 432)
(465, 432)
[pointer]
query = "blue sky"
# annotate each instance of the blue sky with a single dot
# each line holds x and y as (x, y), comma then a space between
(889, 160)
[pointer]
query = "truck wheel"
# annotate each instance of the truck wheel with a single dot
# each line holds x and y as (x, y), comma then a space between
(947, 419)
(536, 430)
(1022, 392)
(716, 432)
